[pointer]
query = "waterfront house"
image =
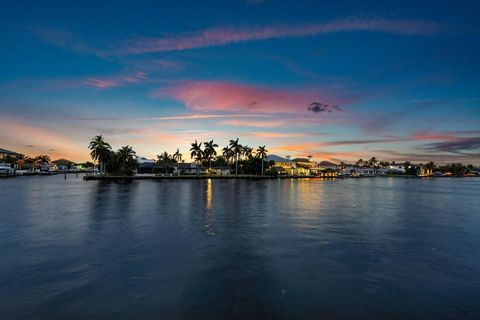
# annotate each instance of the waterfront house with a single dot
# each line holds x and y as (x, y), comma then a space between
(425, 171)
(63, 164)
(287, 165)
(145, 165)
(280, 161)
(221, 170)
(188, 168)
(328, 165)
(397, 168)
(5, 152)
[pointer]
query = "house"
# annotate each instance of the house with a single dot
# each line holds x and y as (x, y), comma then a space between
(188, 168)
(327, 165)
(303, 163)
(295, 167)
(5, 152)
(63, 164)
(145, 165)
(425, 171)
(280, 161)
(221, 170)
(366, 172)
(397, 168)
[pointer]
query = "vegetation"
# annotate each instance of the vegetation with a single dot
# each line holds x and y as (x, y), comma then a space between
(239, 158)
(100, 151)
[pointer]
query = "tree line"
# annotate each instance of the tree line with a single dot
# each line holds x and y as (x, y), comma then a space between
(241, 158)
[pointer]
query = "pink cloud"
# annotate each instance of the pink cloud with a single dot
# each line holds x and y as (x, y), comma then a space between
(234, 97)
(224, 36)
(253, 123)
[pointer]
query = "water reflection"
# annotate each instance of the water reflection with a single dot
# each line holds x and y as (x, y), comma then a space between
(366, 248)
(209, 215)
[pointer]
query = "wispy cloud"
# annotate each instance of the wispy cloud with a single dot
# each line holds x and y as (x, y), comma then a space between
(221, 36)
(120, 81)
(253, 123)
(66, 40)
(229, 35)
(425, 157)
(175, 118)
(459, 145)
(279, 135)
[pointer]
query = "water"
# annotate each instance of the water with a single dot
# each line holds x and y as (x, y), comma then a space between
(368, 248)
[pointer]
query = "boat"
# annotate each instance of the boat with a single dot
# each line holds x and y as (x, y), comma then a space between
(6, 170)
(47, 169)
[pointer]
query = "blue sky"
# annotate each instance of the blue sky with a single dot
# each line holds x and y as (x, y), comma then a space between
(339, 81)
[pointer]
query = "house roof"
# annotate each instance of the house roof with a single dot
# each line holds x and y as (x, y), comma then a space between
(8, 152)
(273, 157)
(63, 161)
(327, 164)
(301, 160)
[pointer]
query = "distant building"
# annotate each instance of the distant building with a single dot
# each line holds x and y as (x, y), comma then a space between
(188, 168)
(397, 168)
(5, 152)
(221, 170)
(63, 164)
(145, 165)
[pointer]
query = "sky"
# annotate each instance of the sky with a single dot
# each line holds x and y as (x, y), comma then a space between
(337, 80)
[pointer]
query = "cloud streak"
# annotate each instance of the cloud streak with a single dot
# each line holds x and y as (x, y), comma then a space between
(459, 145)
(106, 83)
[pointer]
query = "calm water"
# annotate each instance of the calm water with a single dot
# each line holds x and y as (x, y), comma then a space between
(367, 248)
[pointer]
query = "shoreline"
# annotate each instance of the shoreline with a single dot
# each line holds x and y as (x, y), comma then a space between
(243, 177)
(195, 177)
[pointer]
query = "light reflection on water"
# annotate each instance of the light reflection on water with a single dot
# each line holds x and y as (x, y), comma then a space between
(366, 248)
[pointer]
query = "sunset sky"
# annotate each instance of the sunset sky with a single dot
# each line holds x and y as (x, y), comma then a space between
(338, 80)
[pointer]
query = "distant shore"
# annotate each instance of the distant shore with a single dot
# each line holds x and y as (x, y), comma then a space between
(197, 177)
(243, 176)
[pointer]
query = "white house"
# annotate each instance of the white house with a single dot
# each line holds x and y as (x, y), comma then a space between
(221, 170)
(188, 168)
(397, 168)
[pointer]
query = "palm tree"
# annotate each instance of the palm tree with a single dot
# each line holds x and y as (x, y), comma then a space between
(177, 156)
(196, 152)
(99, 150)
(164, 159)
(227, 153)
(384, 164)
(262, 154)
(237, 151)
(210, 152)
(21, 160)
(359, 163)
(247, 152)
(125, 154)
(373, 162)
(39, 160)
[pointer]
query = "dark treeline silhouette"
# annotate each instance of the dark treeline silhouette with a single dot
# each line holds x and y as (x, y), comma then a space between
(239, 158)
